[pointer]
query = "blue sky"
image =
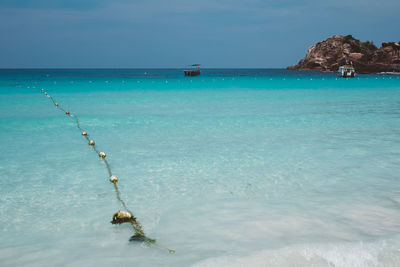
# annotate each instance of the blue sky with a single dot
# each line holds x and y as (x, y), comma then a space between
(174, 33)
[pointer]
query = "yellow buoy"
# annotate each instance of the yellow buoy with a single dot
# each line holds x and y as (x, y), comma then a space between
(84, 133)
(102, 155)
(121, 217)
(113, 179)
(91, 142)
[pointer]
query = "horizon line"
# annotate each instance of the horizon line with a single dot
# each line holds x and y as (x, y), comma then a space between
(158, 68)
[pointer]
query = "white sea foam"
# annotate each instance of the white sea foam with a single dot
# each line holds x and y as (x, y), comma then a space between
(383, 253)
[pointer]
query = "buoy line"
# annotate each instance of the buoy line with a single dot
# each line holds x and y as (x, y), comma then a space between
(121, 216)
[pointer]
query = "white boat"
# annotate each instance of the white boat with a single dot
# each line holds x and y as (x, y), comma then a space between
(347, 71)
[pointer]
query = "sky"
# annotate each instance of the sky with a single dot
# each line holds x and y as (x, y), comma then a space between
(174, 33)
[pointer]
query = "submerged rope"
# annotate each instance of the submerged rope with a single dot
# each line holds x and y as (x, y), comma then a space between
(120, 216)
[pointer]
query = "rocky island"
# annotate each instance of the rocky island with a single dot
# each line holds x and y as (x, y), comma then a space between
(330, 54)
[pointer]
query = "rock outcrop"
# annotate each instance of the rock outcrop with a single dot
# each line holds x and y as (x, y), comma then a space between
(330, 54)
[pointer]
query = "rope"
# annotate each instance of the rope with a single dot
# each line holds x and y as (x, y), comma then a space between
(120, 216)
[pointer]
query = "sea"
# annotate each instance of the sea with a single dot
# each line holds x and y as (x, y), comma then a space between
(235, 167)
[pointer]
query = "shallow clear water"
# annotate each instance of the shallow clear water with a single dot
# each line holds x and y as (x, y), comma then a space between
(231, 168)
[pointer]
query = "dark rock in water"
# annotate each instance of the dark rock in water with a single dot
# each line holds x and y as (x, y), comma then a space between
(332, 53)
(141, 238)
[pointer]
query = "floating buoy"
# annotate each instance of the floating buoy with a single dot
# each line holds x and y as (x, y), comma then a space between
(41, 90)
(113, 179)
(102, 155)
(67, 112)
(91, 142)
(56, 104)
(84, 133)
(45, 93)
(122, 217)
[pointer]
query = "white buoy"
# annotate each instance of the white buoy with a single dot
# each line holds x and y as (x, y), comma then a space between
(113, 179)
(102, 155)
(84, 133)
(91, 142)
(56, 104)
(45, 93)
(40, 90)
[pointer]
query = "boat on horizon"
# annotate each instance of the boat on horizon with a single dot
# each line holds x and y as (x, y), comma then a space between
(193, 71)
(347, 71)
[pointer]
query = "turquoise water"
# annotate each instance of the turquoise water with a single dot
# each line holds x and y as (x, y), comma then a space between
(231, 168)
